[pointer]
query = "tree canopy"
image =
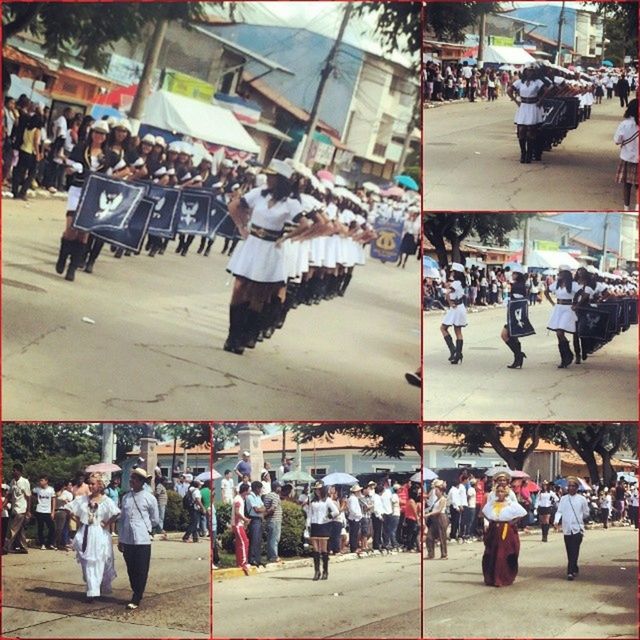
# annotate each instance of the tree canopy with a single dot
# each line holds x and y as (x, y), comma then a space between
(398, 24)
(454, 228)
(87, 30)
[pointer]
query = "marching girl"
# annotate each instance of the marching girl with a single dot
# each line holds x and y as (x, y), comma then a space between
(518, 291)
(85, 158)
(118, 143)
(529, 114)
(321, 512)
(563, 317)
(626, 137)
(259, 265)
(587, 283)
(457, 314)
(546, 499)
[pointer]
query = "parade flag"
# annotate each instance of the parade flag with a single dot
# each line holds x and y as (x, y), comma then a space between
(386, 247)
(164, 219)
(633, 311)
(592, 323)
(221, 223)
(194, 208)
(560, 113)
(612, 310)
(106, 204)
(518, 323)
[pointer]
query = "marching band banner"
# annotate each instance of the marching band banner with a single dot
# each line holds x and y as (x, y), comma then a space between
(518, 323)
(164, 219)
(221, 223)
(386, 247)
(593, 322)
(106, 204)
(194, 209)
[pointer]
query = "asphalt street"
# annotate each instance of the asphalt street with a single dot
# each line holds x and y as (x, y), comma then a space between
(43, 596)
(600, 603)
(365, 598)
(481, 387)
(472, 162)
(142, 338)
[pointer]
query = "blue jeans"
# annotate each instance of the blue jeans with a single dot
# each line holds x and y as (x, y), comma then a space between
(161, 511)
(204, 525)
(393, 528)
(273, 529)
(192, 529)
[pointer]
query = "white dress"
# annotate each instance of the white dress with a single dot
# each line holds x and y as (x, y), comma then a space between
(96, 559)
(262, 260)
(332, 242)
(563, 316)
(528, 114)
(456, 316)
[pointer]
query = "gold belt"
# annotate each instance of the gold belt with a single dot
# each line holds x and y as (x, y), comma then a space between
(270, 235)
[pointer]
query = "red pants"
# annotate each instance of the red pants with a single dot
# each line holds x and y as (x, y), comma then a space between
(242, 546)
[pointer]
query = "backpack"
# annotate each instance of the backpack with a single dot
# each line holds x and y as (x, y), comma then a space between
(187, 500)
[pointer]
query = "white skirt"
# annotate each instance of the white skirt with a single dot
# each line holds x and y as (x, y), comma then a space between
(97, 560)
(316, 256)
(290, 257)
(346, 253)
(259, 260)
(331, 251)
(528, 114)
(73, 198)
(360, 255)
(562, 317)
(456, 316)
(302, 265)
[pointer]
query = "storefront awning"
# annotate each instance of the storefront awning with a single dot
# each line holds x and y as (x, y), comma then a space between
(507, 55)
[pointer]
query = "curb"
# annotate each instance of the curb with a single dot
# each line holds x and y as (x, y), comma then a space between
(235, 572)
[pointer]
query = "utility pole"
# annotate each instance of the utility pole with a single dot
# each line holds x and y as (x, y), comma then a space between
(525, 241)
(150, 62)
(324, 76)
(560, 23)
(481, 32)
(603, 263)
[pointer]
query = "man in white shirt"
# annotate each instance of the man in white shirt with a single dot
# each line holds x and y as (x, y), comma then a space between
(453, 501)
(387, 520)
(354, 515)
(573, 510)
(470, 511)
(20, 492)
(44, 500)
(227, 487)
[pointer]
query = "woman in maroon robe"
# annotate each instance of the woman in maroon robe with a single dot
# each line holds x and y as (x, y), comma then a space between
(501, 541)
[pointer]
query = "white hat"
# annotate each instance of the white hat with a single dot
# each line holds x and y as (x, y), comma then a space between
(207, 158)
(123, 124)
(456, 266)
(112, 121)
(246, 453)
(139, 471)
(100, 126)
(226, 162)
(279, 167)
(160, 141)
(160, 172)
(149, 139)
(591, 269)
(174, 146)
(564, 267)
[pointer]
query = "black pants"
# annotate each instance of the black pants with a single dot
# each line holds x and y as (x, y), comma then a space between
(354, 535)
(572, 544)
(633, 515)
(624, 101)
(255, 541)
(335, 539)
(23, 173)
(454, 516)
(412, 534)
(604, 517)
(192, 528)
(42, 520)
(377, 532)
(137, 557)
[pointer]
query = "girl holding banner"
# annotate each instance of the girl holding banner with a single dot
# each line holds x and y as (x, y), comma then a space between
(517, 318)
(457, 314)
(563, 318)
(85, 158)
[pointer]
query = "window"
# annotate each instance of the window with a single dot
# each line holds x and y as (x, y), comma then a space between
(383, 469)
(464, 465)
(318, 471)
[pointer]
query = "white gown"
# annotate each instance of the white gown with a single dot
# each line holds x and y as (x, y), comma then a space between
(97, 560)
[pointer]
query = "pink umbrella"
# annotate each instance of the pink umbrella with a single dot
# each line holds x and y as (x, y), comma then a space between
(323, 174)
(519, 474)
(394, 192)
(103, 467)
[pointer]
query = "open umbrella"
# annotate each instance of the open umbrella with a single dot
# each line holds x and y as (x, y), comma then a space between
(103, 467)
(297, 476)
(424, 476)
(340, 182)
(408, 182)
(469, 61)
(393, 192)
(549, 272)
(432, 273)
(429, 263)
(205, 476)
(371, 186)
(627, 477)
(519, 474)
(506, 67)
(323, 174)
(607, 63)
(492, 472)
(339, 478)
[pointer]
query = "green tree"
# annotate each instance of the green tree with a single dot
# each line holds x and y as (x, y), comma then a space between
(225, 434)
(454, 228)
(87, 30)
(620, 29)
(398, 24)
(387, 439)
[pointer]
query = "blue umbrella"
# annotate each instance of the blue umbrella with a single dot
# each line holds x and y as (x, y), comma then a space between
(607, 63)
(429, 263)
(408, 182)
(339, 478)
(425, 476)
(470, 61)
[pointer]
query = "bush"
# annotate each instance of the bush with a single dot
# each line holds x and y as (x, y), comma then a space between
(291, 537)
(223, 516)
(58, 467)
(176, 518)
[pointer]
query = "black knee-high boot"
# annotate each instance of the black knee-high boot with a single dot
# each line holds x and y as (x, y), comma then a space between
(576, 347)
(316, 565)
(325, 565)
(523, 149)
(96, 248)
(345, 284)
(458, 354)
(452, 350)
(233, 343)
(252, 328)
(529, 152)
(66, 247)
(545, 532)
(566, 354)
(519, 356)
(77, 256)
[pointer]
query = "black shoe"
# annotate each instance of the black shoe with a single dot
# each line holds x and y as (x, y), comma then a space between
(233, 347)
(517, 361)
(570, 576)
(118, 253)
(413, 379)
(89, 267)
(207, 251)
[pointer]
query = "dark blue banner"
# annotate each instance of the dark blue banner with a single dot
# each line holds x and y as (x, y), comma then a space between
(164, 218)
(221, 223)
(132, 235)
(633, 311)
(386, 247)
(518, 323)
(194, 209)
(106, 204)
(593, 323)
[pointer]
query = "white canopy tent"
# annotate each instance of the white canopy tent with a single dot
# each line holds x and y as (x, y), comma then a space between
(197, 119)
(507, 55)
(551, 259)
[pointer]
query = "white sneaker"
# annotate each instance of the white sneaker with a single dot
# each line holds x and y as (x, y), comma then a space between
(43, 548)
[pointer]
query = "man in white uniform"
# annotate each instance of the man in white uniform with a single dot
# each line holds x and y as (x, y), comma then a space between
(573, 509)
